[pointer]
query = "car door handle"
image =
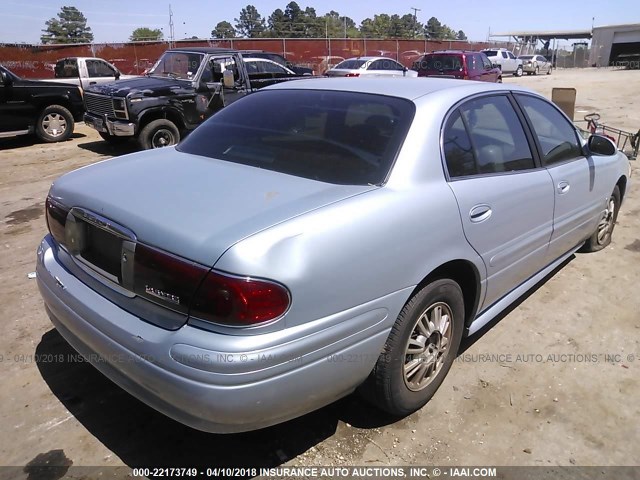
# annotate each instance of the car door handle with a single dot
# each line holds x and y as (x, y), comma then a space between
(92, 83)
(480, 213)
(563, 187)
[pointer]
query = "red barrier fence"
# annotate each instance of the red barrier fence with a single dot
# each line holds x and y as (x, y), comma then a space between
(37, 61)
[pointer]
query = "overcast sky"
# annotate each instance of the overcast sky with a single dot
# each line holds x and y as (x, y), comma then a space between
(114, 20)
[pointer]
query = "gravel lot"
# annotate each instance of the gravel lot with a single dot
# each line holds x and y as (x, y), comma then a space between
(554, 382)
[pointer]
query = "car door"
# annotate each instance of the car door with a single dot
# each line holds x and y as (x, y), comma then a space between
(505, 198)
(580, 192)
(99, 72)
(17, 112)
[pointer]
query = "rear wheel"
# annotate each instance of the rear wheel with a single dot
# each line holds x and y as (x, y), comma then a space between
(159, 133)
(420, 349)
(537, 71)
(602, 236)
(499, 80)
(55, 124)
(518, 71)
(549, 71)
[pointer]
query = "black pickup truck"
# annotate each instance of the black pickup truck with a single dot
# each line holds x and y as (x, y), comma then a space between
(47, 109)
(184, 88)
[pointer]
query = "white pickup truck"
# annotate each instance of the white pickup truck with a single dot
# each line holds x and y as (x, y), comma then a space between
(86, 71)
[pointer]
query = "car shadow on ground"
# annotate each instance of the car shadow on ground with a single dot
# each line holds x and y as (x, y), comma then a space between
(30, 140)
(112, 150)
(142, 437)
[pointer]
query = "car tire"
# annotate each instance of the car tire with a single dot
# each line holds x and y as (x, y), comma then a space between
(113, 140)
(499, 79)
(549, 71)
(601, 237)
(537, 71)
(518, 72)
(428, 332)
(159, 133)
(55, 124)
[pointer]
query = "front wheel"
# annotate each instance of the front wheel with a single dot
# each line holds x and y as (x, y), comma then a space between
(518, 71)
(159, 133)
(420, 349)
(549, 71)
(602, 236)
(55, 124)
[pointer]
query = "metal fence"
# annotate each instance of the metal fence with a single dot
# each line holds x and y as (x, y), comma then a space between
(37, 61)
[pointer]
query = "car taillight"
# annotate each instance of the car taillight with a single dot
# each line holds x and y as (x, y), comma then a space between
(239, 301)
(352, 75)
(56, 216)
(166, 279)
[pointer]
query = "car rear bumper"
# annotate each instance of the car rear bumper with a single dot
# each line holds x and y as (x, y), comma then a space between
(225, 383)
(116, 128)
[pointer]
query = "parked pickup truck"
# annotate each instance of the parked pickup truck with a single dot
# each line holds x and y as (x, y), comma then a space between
(505, 60)
(183, 88)
(47, 109)
(86, 71)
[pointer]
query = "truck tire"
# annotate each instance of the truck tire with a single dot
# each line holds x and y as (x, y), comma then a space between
(159, 133)
(55, 124)
(518, 72)
(113, 140)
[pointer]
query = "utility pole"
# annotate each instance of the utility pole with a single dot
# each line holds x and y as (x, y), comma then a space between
(171, 34)
(415, 19)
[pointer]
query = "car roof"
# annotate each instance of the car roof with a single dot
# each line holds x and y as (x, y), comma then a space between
(409, 88)
(203, 50)
(451, 52)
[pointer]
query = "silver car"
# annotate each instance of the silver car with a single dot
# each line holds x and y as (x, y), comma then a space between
(367, 66)
(318, 237)
(535, 64)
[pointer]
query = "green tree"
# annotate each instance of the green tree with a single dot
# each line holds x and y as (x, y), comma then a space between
(69, 27)
(278, 25)
(336, 26)
(433, 28)
(223, 29)
(145, 33)
(461, 35)
(250, 23)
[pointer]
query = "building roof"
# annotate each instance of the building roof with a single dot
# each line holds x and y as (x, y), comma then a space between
(547, 34)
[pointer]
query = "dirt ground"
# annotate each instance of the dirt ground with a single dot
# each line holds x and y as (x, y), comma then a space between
(555, 381)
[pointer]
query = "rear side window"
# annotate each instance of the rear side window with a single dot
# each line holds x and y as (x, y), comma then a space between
(457, 148)
(440, 62)
(556, 135)
(67, 68)
(335, 137)
(350, 64)
(494, 135)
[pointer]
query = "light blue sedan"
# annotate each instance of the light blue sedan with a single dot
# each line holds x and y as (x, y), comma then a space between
(318, 237)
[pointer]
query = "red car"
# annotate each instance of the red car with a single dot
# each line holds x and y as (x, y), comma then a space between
(464, 65)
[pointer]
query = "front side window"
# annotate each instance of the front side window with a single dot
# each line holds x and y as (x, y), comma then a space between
(335, 137)
(97, 68)
(556, 135)
(495, 136)
(178, 65)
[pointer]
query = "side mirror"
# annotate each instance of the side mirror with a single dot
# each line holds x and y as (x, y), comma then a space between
(600, 145)
(227, 79)
(6, 79)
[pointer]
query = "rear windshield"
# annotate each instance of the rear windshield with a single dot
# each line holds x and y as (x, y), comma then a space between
(335, 137)
(490, 53)
(350, 64)
(439, 62)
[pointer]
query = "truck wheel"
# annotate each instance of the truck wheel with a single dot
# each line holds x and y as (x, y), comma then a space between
(113, 140)
(55, 124)
(159, 133)
(519, 71)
